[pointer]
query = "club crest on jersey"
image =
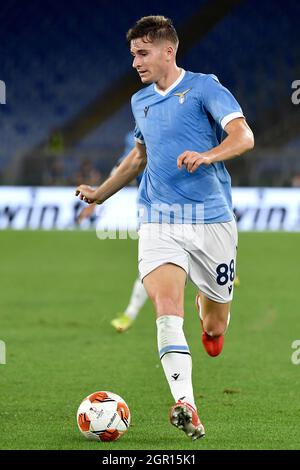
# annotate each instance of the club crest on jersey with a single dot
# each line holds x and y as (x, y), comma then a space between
(181, 95)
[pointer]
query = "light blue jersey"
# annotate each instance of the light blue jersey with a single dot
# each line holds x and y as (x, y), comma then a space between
(190, 115)
(129, 145)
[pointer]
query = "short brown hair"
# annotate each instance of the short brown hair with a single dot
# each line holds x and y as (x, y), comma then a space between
(155, 28)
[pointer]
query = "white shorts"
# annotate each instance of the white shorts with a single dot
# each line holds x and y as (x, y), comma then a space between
(207, 253)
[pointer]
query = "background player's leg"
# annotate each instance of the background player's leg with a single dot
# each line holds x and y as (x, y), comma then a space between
(137, 299)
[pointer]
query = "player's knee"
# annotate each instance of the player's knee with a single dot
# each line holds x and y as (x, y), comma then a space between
(166, 304)
(214, 327)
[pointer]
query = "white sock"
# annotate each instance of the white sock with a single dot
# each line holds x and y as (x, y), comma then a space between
(137, 299)
(175, 357)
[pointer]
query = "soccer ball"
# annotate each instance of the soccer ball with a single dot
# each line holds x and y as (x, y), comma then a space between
(103, 416)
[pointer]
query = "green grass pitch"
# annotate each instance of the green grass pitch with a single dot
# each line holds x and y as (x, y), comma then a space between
(59, 291)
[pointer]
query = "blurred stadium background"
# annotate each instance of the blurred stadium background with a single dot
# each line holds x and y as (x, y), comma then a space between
(68, 82)
(68, 78)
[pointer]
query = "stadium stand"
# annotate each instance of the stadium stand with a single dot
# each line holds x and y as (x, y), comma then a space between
(55, 65)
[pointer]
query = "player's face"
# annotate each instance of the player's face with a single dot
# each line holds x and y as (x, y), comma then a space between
(150, 59)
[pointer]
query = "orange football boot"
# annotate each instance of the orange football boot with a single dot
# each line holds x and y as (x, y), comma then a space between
(185, 417)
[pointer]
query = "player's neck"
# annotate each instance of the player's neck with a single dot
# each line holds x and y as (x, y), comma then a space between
(169, 78)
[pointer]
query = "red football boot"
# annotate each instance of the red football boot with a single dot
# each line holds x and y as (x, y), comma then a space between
(185, 417)
(213, 345)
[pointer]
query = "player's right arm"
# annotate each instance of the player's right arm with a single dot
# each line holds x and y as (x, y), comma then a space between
(127, 171)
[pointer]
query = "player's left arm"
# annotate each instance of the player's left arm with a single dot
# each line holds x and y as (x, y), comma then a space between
(239, 140)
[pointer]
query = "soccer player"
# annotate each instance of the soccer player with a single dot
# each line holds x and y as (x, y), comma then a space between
(187, 223)
(138, 295)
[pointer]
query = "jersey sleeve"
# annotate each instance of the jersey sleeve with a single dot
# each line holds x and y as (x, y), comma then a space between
(219, 102)
(138, 136)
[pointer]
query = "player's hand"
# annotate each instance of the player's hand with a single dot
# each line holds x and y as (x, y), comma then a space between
(86, 193)
(86, 212)
(192, 160)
